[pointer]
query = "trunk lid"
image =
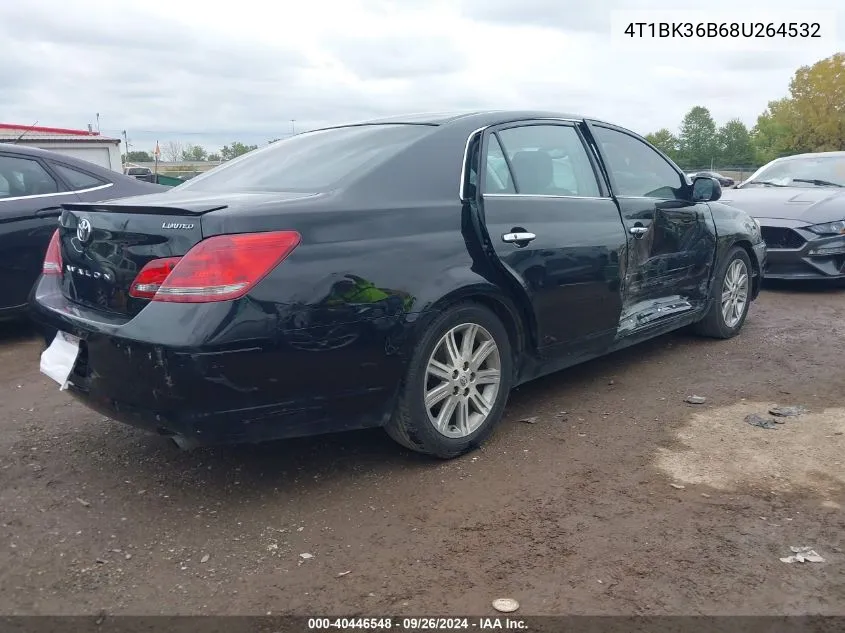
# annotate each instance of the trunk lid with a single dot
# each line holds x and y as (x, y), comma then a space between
(122, 236)
(105, 245)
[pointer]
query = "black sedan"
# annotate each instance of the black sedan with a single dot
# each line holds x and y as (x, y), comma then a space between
(33, 185)
(725, 181)
(403, 273)
(799, 202)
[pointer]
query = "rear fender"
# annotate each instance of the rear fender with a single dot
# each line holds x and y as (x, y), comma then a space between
(460, 285)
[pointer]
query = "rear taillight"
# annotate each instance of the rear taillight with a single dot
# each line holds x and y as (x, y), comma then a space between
(53, 258)
(219, 268)
(149, 280)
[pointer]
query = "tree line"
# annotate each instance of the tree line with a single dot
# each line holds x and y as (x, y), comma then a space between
(176, 152)
(811, 118)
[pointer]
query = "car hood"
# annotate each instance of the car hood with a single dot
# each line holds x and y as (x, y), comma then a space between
(810, 205)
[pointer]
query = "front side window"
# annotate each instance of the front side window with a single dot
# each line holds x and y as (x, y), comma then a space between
(637, 170)
(21, 177)
(310, 162)
(76, 179)
(546, 160)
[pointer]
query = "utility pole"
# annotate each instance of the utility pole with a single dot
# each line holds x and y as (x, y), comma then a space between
(292, 132)
(126, 144)
(98, 122)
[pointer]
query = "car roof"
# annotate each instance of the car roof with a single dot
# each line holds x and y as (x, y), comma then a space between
(480, 118)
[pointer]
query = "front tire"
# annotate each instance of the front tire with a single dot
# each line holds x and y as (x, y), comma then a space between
(730, 297)
(457, 384)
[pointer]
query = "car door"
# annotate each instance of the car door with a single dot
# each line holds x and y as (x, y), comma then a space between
(671, 240)
(556, 233)
(30, 196)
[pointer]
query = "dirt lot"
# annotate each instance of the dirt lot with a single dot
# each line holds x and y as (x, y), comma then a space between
(619, 498)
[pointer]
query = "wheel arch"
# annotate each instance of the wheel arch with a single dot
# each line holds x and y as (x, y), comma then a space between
(516, 319)
(757, 274)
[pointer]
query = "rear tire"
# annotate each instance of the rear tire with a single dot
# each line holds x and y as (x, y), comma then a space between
(730, 297)
(457, 384)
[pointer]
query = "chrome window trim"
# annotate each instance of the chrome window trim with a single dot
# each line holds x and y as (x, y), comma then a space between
(472, 135)
(57, 193)
(543, 195)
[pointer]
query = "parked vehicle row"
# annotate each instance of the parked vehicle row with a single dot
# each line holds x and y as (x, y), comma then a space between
(725, 181)
(33, 185)
(404, 273)
(799, 202)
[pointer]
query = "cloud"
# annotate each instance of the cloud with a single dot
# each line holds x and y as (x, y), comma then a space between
(242, 71)
(394, 57)
(591, 16)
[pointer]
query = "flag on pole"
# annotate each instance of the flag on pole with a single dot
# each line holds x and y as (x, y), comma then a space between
(157, 152)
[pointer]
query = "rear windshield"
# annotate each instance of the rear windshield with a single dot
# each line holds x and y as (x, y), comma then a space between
(310, 162)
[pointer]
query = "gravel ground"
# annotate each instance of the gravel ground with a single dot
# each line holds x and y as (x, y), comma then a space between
(602, 492)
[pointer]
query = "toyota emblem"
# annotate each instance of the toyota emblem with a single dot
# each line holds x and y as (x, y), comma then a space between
(83, 231)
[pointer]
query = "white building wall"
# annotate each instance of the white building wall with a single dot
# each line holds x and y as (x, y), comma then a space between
(103, 153)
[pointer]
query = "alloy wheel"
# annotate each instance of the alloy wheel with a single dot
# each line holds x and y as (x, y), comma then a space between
(734, 293)
(462, 380)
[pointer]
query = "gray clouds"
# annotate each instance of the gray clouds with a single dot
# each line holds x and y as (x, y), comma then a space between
(211, 74)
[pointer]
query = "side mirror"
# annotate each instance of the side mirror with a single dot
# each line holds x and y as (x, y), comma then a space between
(706, 189)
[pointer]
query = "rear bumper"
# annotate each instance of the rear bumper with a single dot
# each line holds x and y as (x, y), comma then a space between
(234, 389)
(13, 313)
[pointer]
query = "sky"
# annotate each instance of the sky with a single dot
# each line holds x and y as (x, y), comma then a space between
(211, 73)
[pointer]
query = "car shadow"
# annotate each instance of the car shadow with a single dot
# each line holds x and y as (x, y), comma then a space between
(320, 460)
(812, 286)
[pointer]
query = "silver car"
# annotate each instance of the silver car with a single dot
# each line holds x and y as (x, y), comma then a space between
(799, 202)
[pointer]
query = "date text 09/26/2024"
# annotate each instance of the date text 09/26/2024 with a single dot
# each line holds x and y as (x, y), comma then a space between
(417, 624)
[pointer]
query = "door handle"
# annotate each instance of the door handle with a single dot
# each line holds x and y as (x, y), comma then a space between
(518, 237)
(638, 231)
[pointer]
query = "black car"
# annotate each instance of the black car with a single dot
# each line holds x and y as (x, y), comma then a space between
(33, 185)
(404, 273)
(725, 181)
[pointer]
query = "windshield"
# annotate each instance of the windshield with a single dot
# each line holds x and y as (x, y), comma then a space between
(809, 171)
(310, 162)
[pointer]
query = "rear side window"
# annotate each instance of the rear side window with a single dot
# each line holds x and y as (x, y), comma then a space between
(498, 178)
(24, 177)
(310, 162)
(76, 179)
(547, 160)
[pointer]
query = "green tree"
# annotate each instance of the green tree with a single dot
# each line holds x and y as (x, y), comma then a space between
(773, 136)
(235, 149)
(195, 153)
(817, 93)
(697, 145)
(214, 157)
(665, 141)
(139, 157)
(734, 142)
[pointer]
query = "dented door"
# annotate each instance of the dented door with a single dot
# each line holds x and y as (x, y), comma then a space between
(671, 240)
